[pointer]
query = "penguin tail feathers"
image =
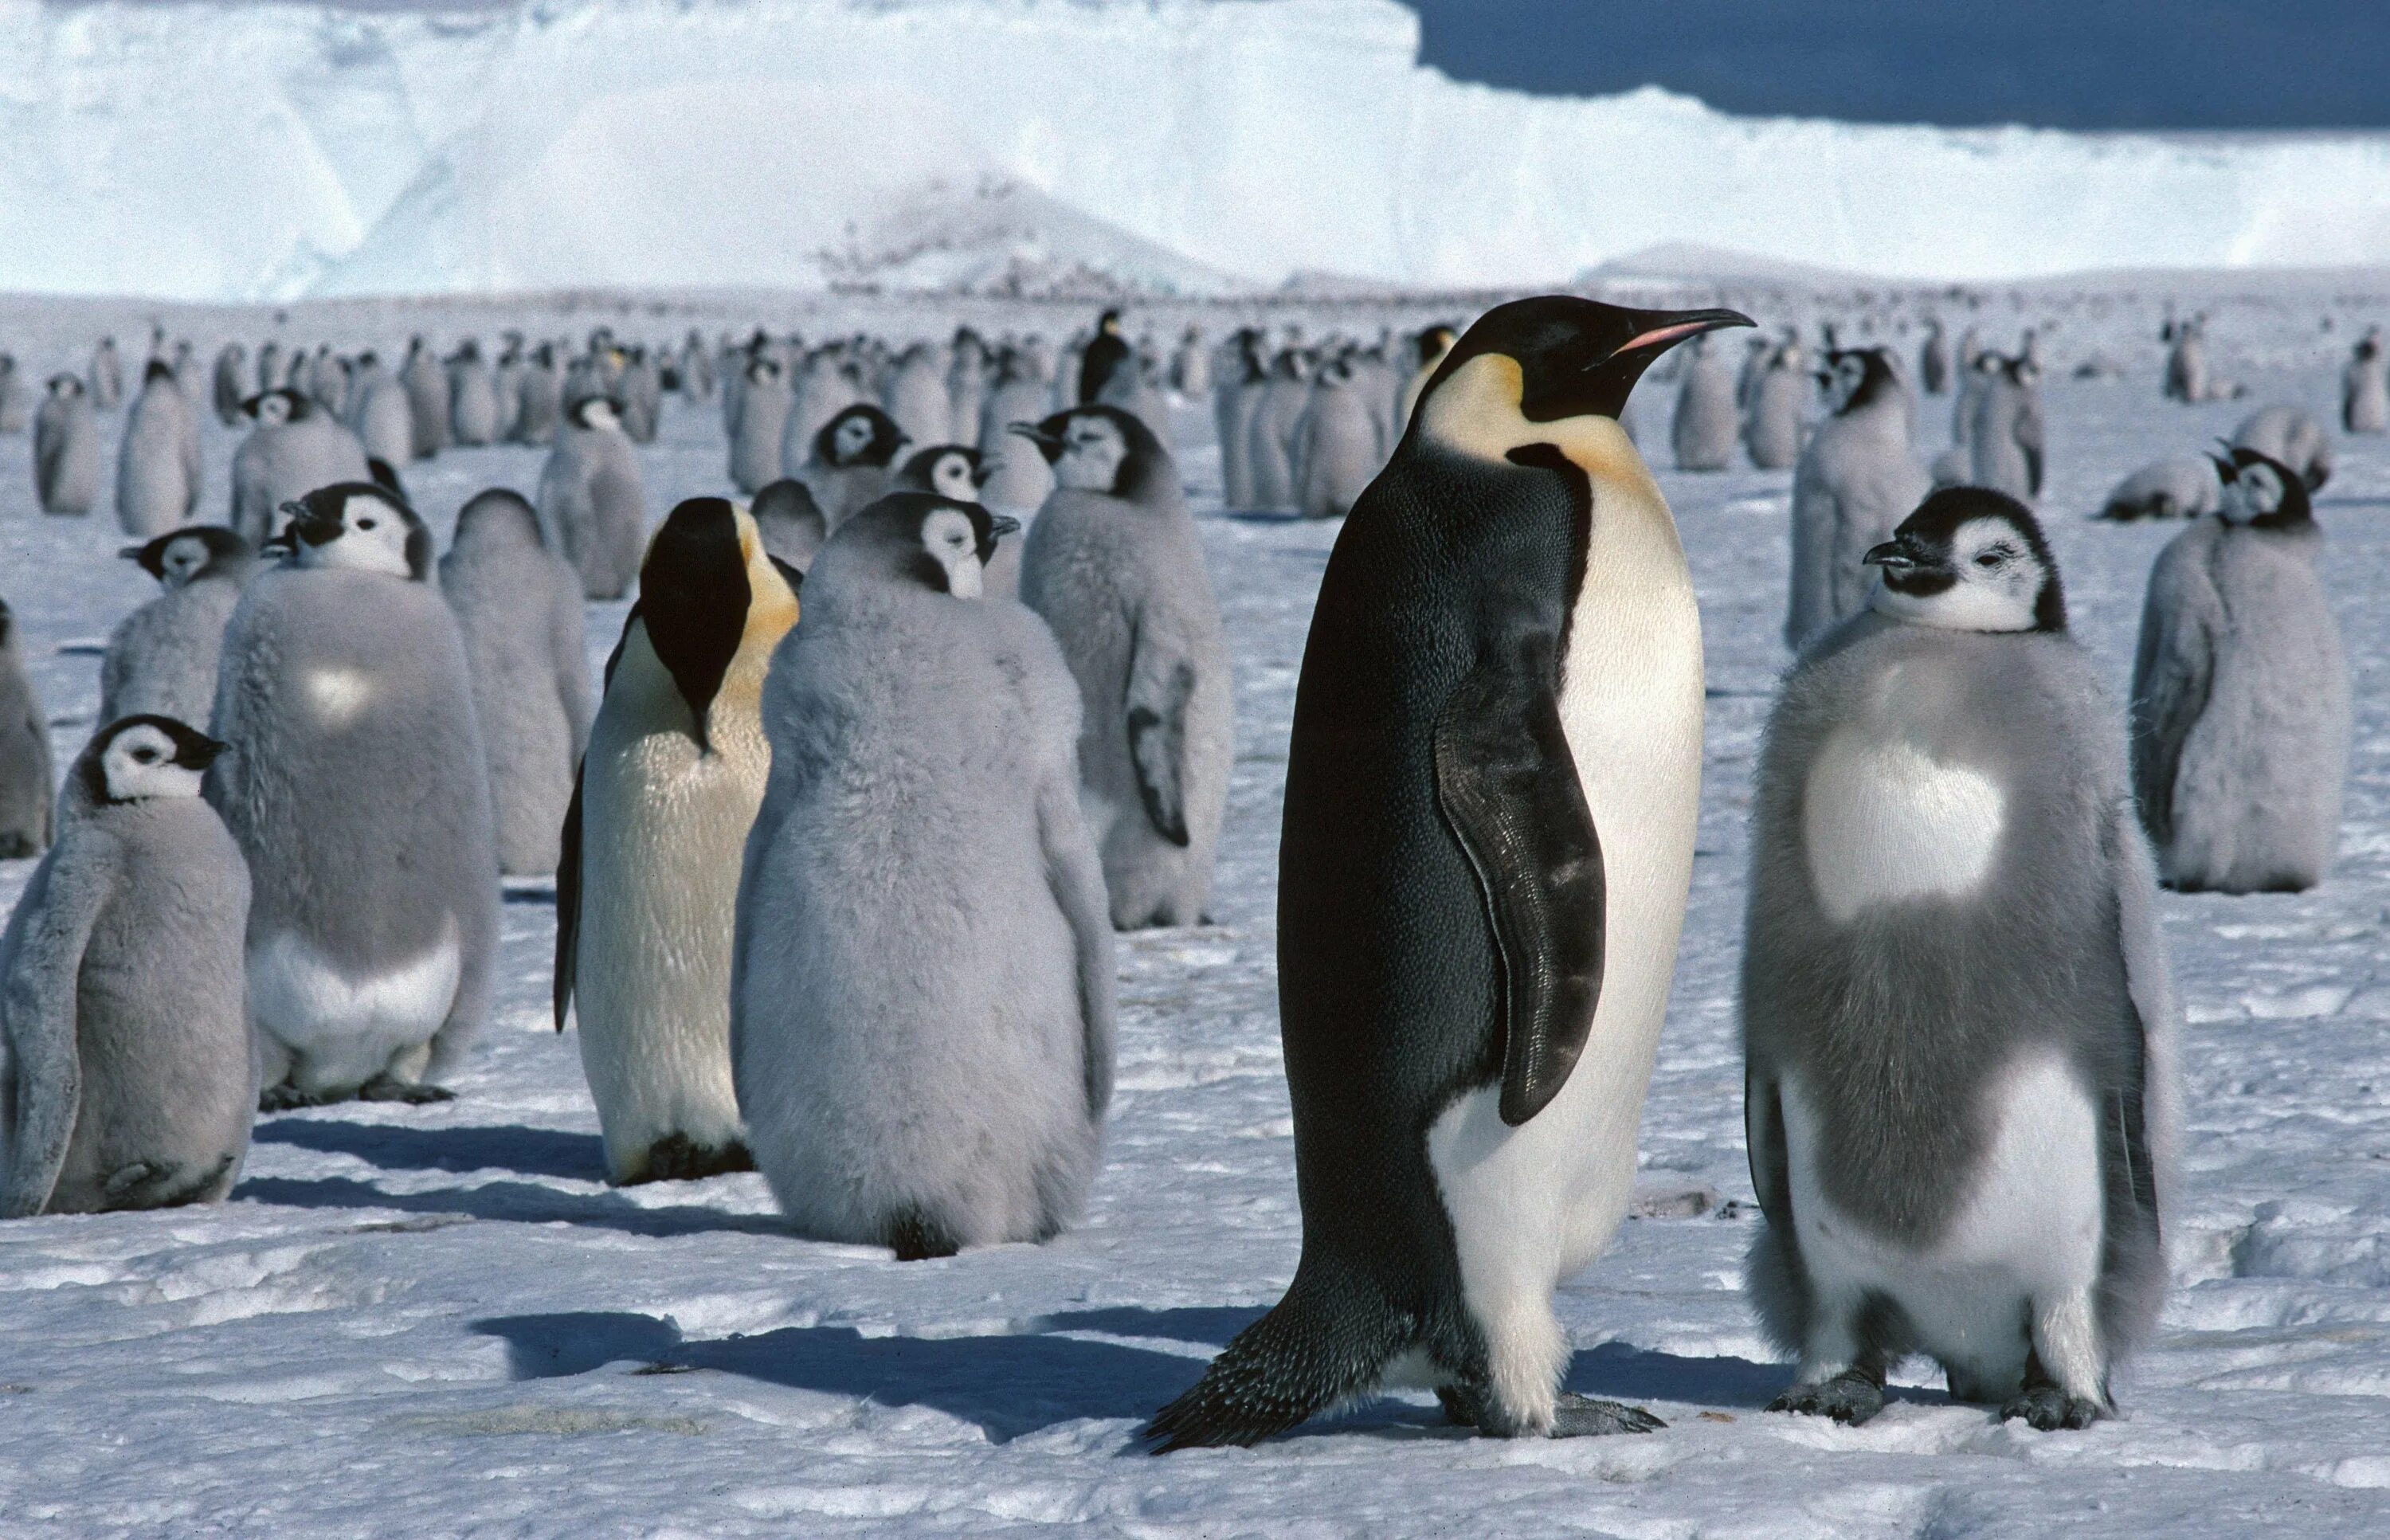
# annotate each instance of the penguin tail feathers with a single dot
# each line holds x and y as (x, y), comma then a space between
(1318, 1347)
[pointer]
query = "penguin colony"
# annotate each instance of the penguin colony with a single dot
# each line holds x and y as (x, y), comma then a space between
(842, 839)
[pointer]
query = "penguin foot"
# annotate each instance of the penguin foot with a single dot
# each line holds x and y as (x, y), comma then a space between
(287, 1097)
(415, 1094)
(2049, 1408)
(122, 1181)
(678, 1158)
(1586, 1416)
(1850, 1397)
(915, 1235)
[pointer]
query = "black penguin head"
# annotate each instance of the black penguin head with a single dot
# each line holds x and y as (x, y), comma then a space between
(65, 386)
(357, 527)
(1857, 377)
(1971, 559)
(595, 412)
(181, 557)
(1108, 323)
(948, 469)
(137, 758)
(693, 599)
(2262, 492)
(861, 435)
(921, 539)
(272, 408)
(1561, 357)
(157, 369)
(763, 370)
(1102, 449)
(1434, 341)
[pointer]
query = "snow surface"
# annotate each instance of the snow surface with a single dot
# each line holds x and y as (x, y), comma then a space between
(442, 1321)
(221, 150)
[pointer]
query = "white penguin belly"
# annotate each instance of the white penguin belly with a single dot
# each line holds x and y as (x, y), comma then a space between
(344, 1030)
(2027, 1230)
(1883, 822)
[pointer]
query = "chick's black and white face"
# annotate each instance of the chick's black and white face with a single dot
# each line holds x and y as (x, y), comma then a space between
(950, 476)
(273, 411)
(953, 545)
(1843, 381)
(182, 560)
(1093, 451)
(370, 537)
(1984, 577)
(144, 761)
(2253, 492)
(596, 413)
(851, 438)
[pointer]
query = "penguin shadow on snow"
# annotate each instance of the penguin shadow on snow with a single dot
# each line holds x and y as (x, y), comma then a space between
(398, 1147)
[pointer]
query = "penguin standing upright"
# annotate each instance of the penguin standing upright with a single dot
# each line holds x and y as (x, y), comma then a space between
(1017, 476)
(2186, 367)
(1856, 483)
(539, 399)
(1933, 359)
(158, 466)
(229, 385)
(1236, 395)
(13, 413)
(162, 660)
(852, 461)
(25, 785)
(1703, 432)
(757, 425)
(66, 448)
(917, 395)
(1433, 343)
(2240, 694)
(1269, 433)
(1112, 564)
(128, 1079)
(426, 394)
(1336, 450)
(922, 807)
(473, 396)
(381, 412)
(1491, 795)
(2004, 440)
(646, 896)
(519, 609)
(296, 447)
(593, 501)
(106, 376)
(357, 789)
(1772, 425)
(1957, 1022)
(2364, 387)
(1106, 354)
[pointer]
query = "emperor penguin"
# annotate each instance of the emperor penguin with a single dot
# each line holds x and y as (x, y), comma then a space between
(357, 788)
(13, 414)
(162, 660)
(1497, 730)
(852, 461)
(1337, 448)
(1433, 343)
(381, 412)
(519, 608)
(295, 447)
(25, 785)
(755, 427)
(1017, 476)
(128, 1079)
(1958, 1026)
(821, 389)
(593, 501)
(948, 469)
(1707, 414)
(539, 399)
(641, 390)
(106, 376)
(2289, 436)
(647, 897)
(1772, 427)
(1190, 367)
(1856, 482)
(1114, 565)
(269, 370)
(968, 378)
(917, 397)
(2364, 387)
(791, 523)
(2186, 368)
(1269, 436)
(2005, 437)
(1934, 358)
(923, 806)
(426, 394)
(2180, 486)
(66, 448)
(1236, 389)
(473, 396)
(228, 386)
(2240, 694)
(158, 464)
(1107, 352)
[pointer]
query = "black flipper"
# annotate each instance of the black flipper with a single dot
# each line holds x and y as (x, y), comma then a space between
(1508, 785)
(568, 891)
(1157, 747)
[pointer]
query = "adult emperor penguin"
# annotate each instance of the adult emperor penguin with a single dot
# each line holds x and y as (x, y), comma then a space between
(756, 424)
(1114, 565)
(66, 448)
(1107, 352)
(519, 609)
(357, 788)
(158, 464)
(593, 501)
(128, 1078)
(2364, 387)
(1490, 801)
(851, 460)
(923, 805)
(646, 896)
(1934, 358)
(162, 660)
(2240, 694)
(1703, 434)
(1957, 1023)
(25, 788)
(1856, 483)
(296, 447)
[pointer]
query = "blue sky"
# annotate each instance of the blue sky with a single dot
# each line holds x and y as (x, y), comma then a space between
(2061, 63)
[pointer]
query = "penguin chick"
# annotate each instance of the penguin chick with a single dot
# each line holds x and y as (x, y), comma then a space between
(66, 448)
(923, 805)
(381, 412)
(1114, 565)
(948, 469)
(127, 1074)
(1772, 425)
(161, 659)
(646, 895)
(854, 459)
(1707, 411)
(25, 785)
(791, 523)
(2289, 436)
(519, 609)
(1498, 724)
(757, 425)
(1016, 477)
(1337, 448)
(1955, 1013)
(2181, 486)
(358, 790)
(593, 502)
(2240, 694)
(1856, 482)
(2004, 435)
(158, 464)
(295, 447)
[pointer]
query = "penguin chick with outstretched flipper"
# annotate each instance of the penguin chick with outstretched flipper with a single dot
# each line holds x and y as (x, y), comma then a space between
(161, 659)
(357, 788)
(647, 897)
(1956, 1021)
(923, 997)
(1490, 801)
(1112, 564)
(128, 1078)
(2240, 694)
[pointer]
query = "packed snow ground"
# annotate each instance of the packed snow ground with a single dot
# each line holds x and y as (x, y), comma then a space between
(442, 1321)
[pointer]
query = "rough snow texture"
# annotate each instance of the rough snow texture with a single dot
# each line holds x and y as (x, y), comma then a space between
(441, 1321)
(213, 150)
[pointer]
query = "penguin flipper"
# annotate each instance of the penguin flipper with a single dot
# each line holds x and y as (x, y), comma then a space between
(38, 1008)
(2174, 665)
(1157, 740)
(1508, 785)
(568, 898)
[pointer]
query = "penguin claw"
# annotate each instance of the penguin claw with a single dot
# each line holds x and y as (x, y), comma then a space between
(1586, 1416)
(2048, 1408)
(286, 1097)
(1848, 1397)
(388, 1088)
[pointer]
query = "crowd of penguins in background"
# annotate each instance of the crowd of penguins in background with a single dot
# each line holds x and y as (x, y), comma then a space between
(934, 699)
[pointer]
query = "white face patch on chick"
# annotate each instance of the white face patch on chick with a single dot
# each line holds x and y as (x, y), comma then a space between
(144, 761)
(953, 544)
(951, 477)
(1986, 578)
(1093, 450)
(851, 439)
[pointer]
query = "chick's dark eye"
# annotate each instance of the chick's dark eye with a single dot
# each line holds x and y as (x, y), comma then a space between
(146, 756)
(1990, 558)
(366, 523)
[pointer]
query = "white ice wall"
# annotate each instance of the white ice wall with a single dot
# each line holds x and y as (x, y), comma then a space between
(214, 150)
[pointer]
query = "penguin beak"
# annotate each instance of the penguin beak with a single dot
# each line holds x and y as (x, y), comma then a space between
(1048, 444)
(1898, 558)
(1002, 524)
(2226, 471)
(128, 553)
(1664, 329)
(198, 753)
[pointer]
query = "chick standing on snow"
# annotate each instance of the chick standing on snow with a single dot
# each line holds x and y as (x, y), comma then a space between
(25, 786)
(66, 448)
(157, 465)
(1703, 434)
(593, 502)
(296, 447)
(1856, 482)
(162, 660)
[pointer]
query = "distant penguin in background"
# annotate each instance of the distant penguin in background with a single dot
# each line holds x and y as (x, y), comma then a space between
(1703, 435)
(2364, 387)
(948, 469)
(851, 462)
(128, 1079)
(1107, 353)
(2180, 486)
(1772, 428)
(2005, 442)
(1336, 450)
(647, 897)
(1957, 1019)
(381, 412)
(755, 429)
(1433, 343)
(1269, 436)
(593, 501)
(472, 397)
(295, 447)
(540, 399)
(161, 659)
(1856, 483)
(26, 788)
(357, 789)
(2240, 694)
(790, 523)
(107, 376)
(1236, 395)
(969, 379)
(917, 395)
(66, 448)
(640, 392)
(427, 395)
(157, 465)
(1017, 476)
(1190, 367)
(2289, 435)
(14, 415)
(519, 609)
(923, 804)
(2186, 367)
(1933, 359)
(229, 385)
(1114, 565)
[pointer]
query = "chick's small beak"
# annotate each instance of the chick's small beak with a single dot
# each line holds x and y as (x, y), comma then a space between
(1891, 556)
(1002, 524)
(1036, 435)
